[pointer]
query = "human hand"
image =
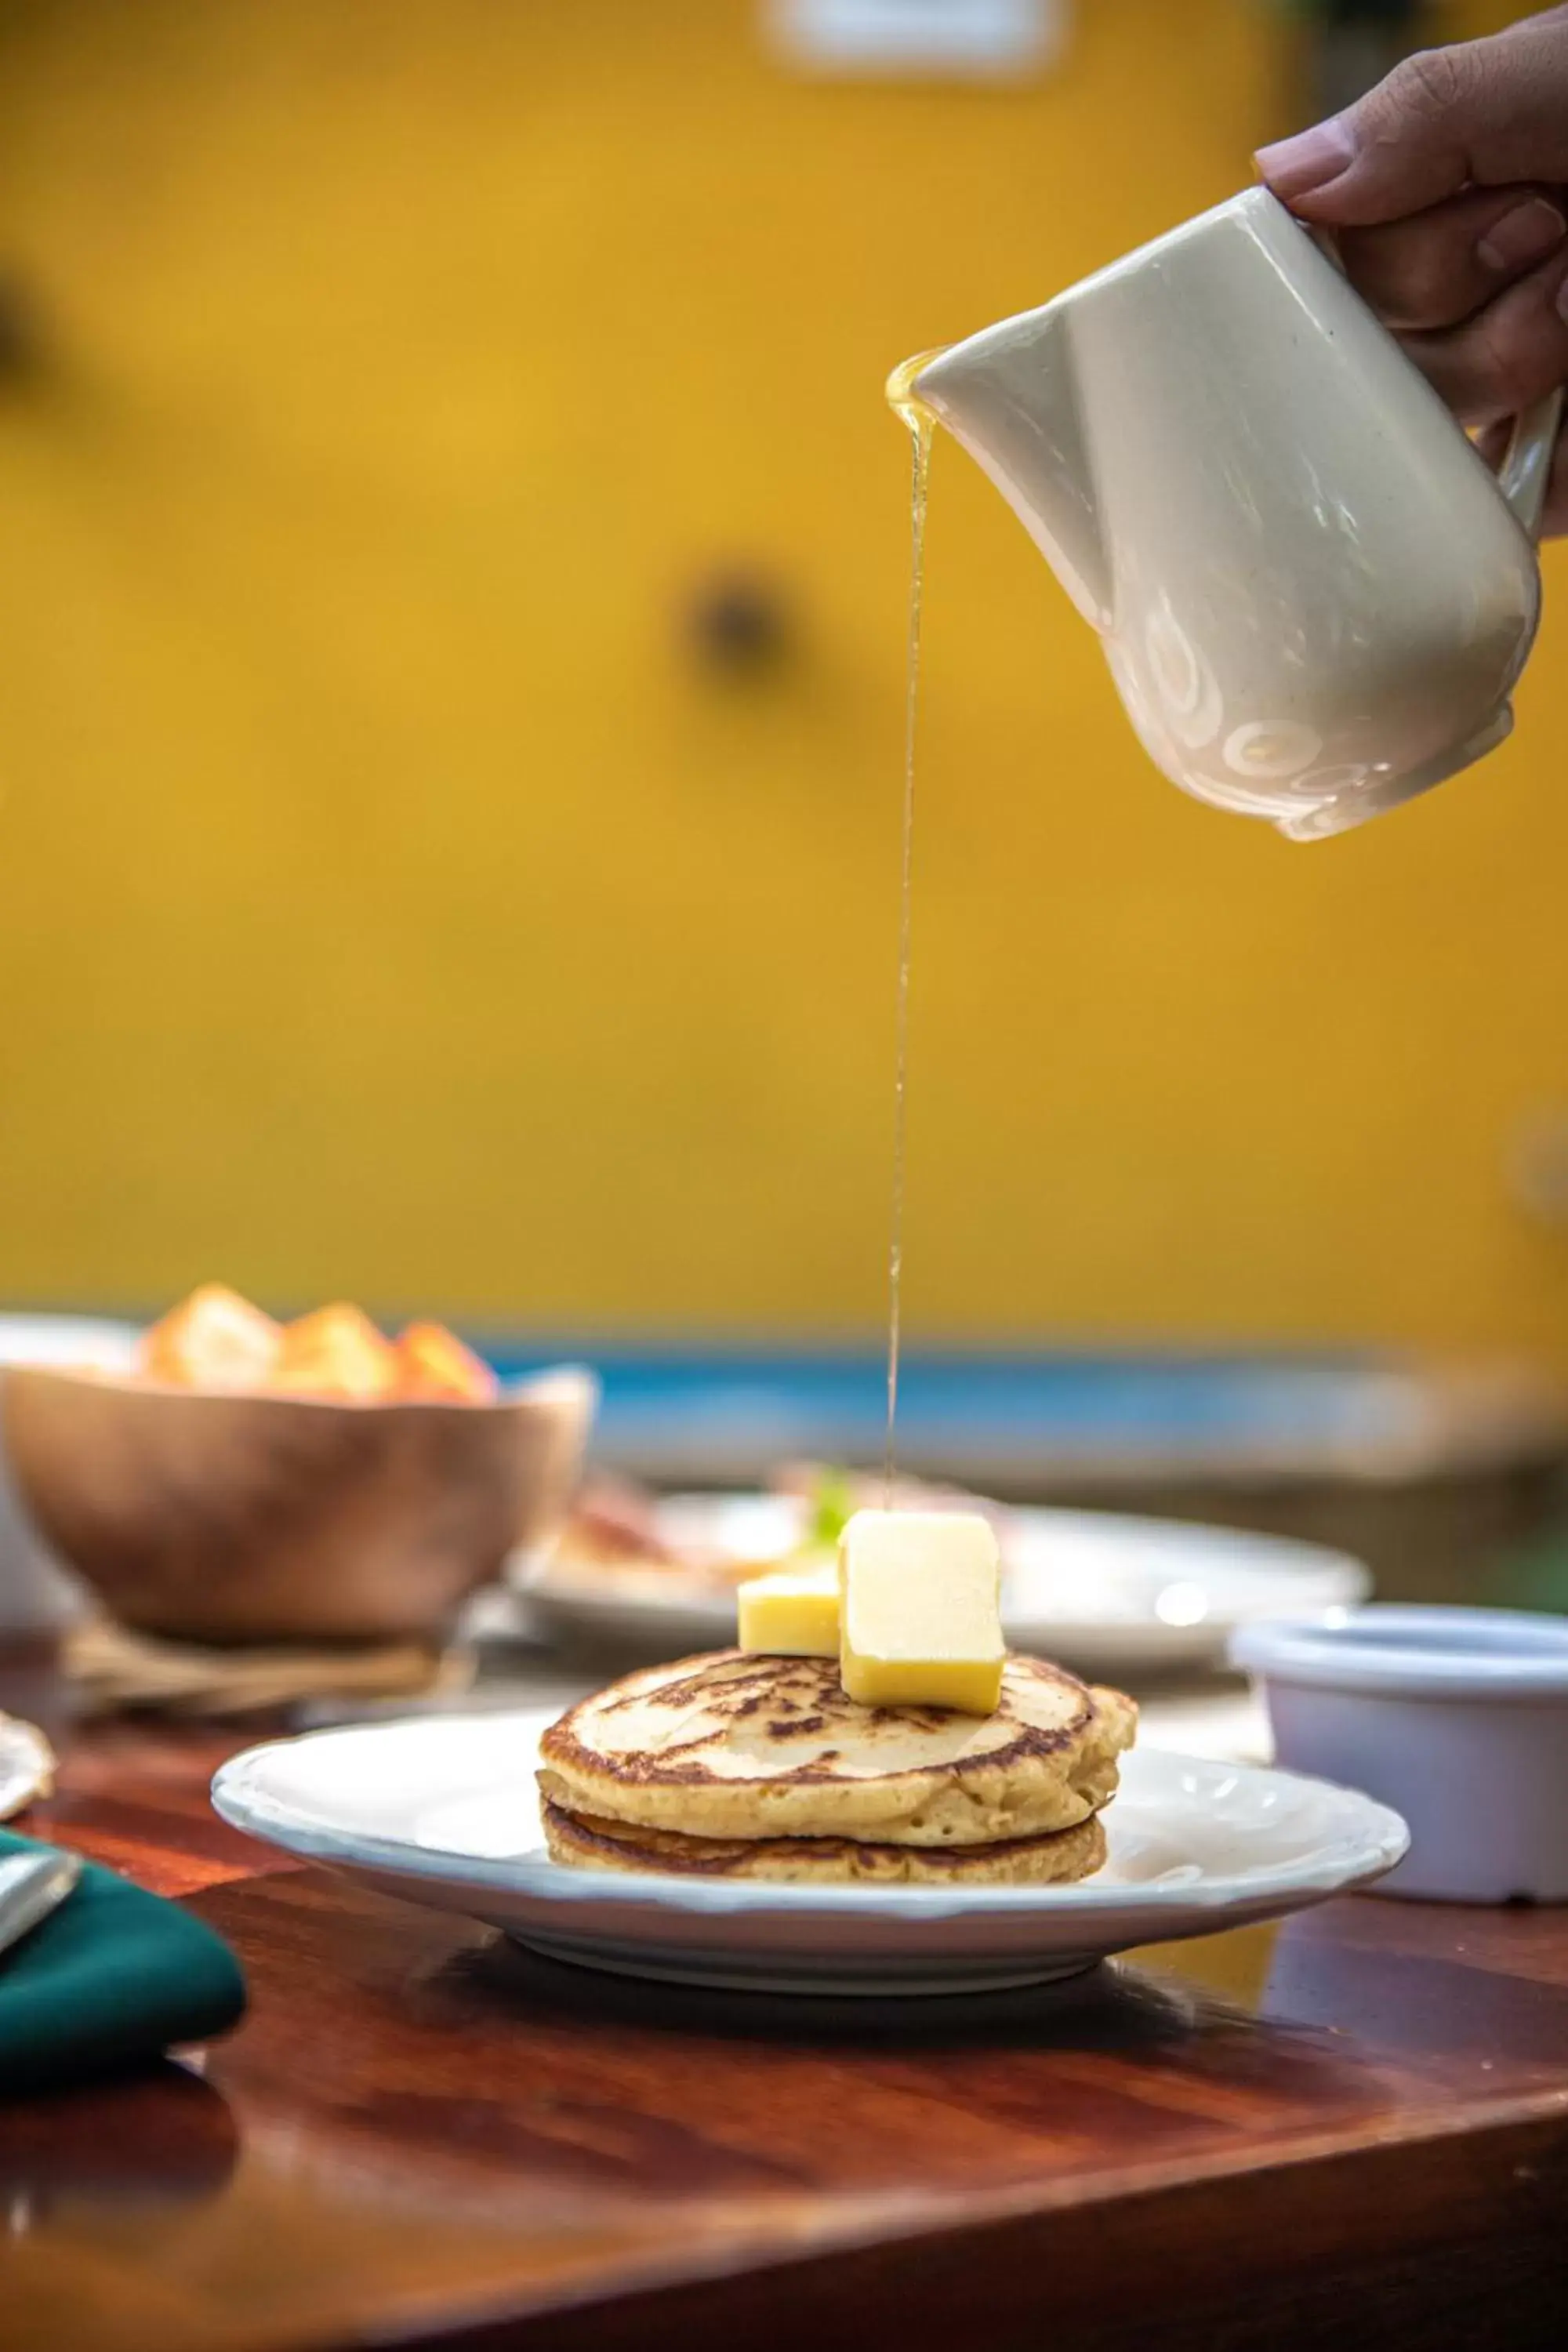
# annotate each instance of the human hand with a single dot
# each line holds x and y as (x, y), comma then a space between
(1448, 190)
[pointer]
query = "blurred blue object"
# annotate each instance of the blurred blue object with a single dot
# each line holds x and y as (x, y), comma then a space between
(736, 1414)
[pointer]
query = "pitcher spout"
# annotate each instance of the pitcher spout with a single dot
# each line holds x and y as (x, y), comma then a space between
(1009, 396)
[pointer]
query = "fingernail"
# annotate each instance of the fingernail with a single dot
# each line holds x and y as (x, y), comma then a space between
(1527, 234)
(1562, 300)
(1294, 167)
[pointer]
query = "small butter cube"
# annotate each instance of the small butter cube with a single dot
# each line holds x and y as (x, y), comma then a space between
(919, 1609)
(791, 1614)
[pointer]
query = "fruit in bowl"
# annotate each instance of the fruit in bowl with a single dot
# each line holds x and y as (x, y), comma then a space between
(216, 1340)
(249, 1481)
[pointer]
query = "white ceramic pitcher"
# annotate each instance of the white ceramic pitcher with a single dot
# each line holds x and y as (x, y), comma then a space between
(1314, 595)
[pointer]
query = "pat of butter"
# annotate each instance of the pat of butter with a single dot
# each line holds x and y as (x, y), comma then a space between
(920, 1611)
(791, 1614)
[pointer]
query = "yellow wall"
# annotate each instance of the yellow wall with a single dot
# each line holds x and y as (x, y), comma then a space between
(391, 903)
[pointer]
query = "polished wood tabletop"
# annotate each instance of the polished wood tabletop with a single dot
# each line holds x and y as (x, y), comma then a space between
(1352, 2129)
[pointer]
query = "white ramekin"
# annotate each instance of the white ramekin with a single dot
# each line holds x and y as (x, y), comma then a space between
(1456, 1717)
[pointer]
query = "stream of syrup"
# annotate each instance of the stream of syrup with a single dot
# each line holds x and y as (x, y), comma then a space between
(902, 400)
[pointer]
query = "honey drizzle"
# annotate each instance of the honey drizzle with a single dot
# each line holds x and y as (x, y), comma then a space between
(920, 421)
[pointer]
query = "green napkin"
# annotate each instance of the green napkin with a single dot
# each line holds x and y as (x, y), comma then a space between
(112, 1979)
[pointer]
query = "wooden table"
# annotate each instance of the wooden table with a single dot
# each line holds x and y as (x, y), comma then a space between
(1352, 2129)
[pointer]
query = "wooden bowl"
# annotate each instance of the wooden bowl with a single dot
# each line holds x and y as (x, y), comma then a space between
(235, 1518)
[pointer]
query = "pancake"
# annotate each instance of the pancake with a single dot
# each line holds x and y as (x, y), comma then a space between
(595, 1843)
(734, 1745)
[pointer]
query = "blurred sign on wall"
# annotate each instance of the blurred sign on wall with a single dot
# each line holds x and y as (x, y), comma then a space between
(984, 40)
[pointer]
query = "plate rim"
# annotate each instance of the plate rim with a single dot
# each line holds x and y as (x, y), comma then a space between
(1382, 1842)
(1295, 1559)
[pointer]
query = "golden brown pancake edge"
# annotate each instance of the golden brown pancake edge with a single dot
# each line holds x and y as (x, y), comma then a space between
(729, 1746)
(1063, 1857)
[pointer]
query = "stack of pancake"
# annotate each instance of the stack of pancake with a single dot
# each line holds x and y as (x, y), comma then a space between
(738, 1765)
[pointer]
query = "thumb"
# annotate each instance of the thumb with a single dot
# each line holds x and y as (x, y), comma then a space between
(1486, 113)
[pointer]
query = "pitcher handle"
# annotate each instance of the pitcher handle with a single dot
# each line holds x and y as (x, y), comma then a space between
(1526, 469)
(1525, 473)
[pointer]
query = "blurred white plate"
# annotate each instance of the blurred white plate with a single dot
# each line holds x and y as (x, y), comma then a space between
(69, 1340)
(36, 1593)
(445, 1814)
(26, 1765)
(1103, 1593)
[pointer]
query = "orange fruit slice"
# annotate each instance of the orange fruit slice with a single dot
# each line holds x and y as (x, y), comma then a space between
(434, 1363)
(212, 1339)
(335, 1353)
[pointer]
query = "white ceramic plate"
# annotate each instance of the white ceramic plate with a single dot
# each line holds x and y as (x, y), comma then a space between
(444, 1814)
(1104, 1595)
(75, 1341)
(26, 1765)
(37, 1593)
